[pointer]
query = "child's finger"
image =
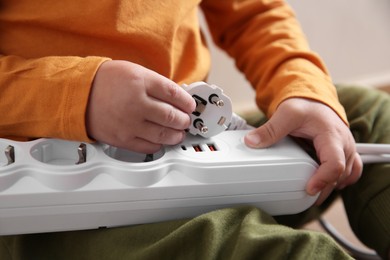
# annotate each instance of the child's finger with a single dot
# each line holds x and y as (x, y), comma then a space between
(159, 134)
(171, 93)
(167, 115)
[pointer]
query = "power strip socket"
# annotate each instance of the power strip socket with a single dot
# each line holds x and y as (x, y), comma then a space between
(51, 185)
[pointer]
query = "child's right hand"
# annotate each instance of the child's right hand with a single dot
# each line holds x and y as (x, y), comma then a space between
(137, 109)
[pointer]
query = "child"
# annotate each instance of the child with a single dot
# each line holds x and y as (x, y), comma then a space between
(110, 72)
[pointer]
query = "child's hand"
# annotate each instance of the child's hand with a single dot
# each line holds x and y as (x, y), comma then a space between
(340, 165)
(137, 109)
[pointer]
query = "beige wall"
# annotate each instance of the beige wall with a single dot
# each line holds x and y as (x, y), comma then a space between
(352, 36)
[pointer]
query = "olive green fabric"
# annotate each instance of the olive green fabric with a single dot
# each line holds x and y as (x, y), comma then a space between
(368, 201)
(235, 233)
(243, 232)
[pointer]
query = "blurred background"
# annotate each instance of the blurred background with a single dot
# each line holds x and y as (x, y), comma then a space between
(352, 37)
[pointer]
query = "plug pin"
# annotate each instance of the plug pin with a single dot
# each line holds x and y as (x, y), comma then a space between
(200, 126)
(218, 103)
(216, 100)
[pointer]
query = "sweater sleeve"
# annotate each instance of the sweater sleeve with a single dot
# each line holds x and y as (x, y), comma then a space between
(267, 43)
(45, 97)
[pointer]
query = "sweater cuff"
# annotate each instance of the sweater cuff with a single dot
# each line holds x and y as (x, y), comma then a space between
(77, 99)
(299, 78)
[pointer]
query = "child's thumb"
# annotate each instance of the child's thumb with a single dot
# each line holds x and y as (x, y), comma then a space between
(268, 134)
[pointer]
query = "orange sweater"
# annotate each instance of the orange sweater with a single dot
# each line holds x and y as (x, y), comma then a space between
(50, 51)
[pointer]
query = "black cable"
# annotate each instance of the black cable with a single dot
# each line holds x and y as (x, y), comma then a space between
(354, 251)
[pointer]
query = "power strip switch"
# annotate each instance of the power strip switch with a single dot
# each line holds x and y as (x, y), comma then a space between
(213, 112)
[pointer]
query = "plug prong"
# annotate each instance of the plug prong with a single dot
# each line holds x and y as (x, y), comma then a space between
(216, 100)
(218, 103)
(201, 127)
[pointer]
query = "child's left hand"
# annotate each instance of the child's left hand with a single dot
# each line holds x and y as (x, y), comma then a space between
(340, 164)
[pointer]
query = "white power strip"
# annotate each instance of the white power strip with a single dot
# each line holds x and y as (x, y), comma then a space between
(53, 185)
(48, 187)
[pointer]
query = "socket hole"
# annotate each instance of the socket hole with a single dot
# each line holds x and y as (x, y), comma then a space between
(130, 156)
(60, 152)
(212, 147)
(197, 148)
(184, 148)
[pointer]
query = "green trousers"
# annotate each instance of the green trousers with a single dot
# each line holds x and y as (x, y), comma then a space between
(242, 232)
(368, 201)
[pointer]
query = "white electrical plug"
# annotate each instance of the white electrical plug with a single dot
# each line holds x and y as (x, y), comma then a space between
(213, 112)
